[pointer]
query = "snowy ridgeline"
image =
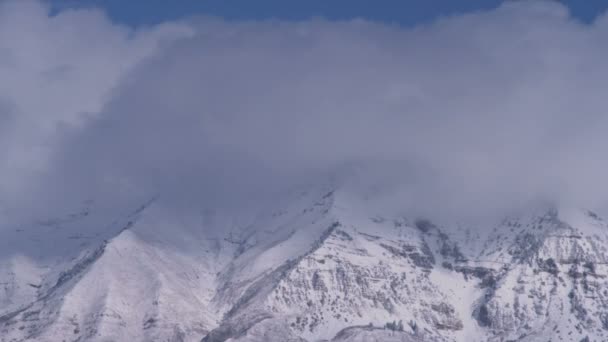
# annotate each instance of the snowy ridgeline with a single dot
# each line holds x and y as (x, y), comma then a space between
(322, 266)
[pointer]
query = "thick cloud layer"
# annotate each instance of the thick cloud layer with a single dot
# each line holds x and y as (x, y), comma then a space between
(476, 113)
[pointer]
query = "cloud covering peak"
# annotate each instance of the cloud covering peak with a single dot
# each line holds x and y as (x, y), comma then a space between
(477, 112)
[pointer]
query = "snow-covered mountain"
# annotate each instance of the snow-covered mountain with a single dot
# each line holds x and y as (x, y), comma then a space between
(323, 265)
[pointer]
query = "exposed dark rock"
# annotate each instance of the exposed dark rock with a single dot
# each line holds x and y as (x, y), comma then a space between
(604, 320)
(549, 266)
(317, 283)
(525, 247)
(486, 275)
(483, 316)
(421, 257)
(343, 235)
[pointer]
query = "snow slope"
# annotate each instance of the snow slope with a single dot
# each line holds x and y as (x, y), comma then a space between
(321, 264)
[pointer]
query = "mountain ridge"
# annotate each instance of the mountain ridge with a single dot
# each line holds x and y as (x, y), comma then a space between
(321, 266)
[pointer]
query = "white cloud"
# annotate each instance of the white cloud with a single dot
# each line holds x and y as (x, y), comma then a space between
(57, 71)
(470, 113)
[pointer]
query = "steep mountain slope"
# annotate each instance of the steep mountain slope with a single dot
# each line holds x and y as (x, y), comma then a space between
(554, 279)
(146, 283)
(322, 264)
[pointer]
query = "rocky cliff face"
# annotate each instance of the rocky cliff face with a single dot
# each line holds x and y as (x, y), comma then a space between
(321, 266)
(553, 282)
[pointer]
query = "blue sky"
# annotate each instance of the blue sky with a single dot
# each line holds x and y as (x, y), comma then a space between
(404, 12)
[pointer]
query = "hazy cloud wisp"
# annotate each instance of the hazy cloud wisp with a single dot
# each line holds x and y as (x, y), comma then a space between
(473, 113)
